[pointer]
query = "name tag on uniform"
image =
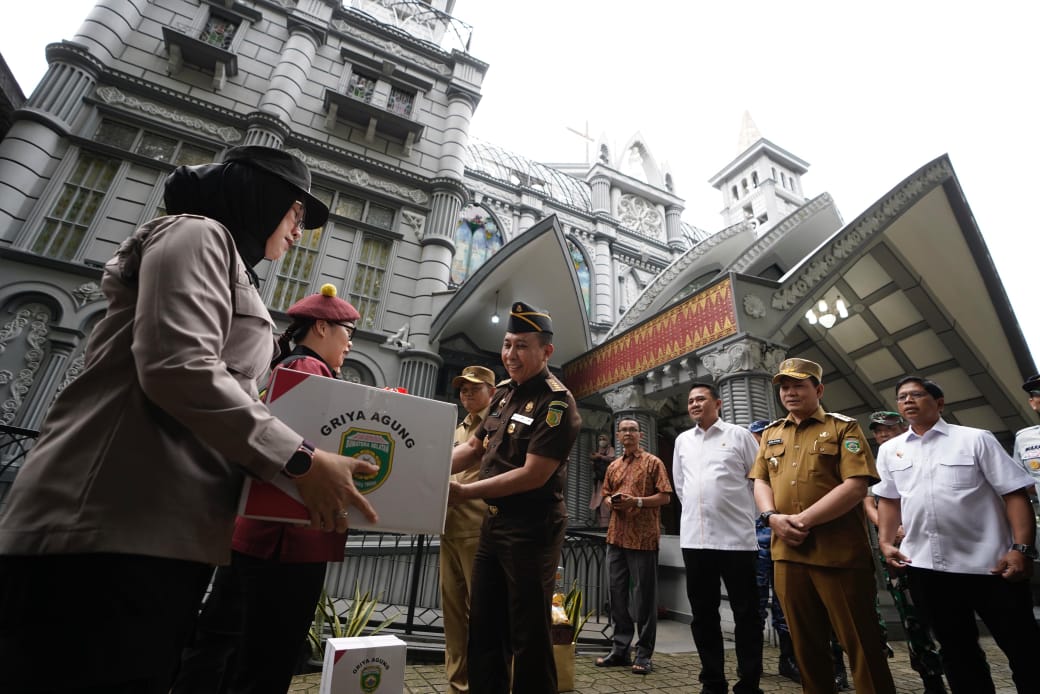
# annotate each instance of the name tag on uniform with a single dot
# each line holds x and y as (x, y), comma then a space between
(522, 419)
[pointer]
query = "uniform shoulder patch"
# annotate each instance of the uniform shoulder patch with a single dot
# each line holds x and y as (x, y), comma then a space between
(555, 414)
(842, 417)
(773, 423)
(555, 385)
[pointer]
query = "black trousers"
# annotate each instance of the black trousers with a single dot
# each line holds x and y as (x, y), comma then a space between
(95, 623)
(638, 568)
(252, 627)
(706, 570)
(948, 602)
(513, 578)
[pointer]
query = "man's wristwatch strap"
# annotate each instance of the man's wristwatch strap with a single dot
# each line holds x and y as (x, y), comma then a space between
(764, 517)
(1028, 550)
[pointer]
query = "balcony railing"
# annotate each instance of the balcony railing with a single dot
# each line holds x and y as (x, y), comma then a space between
(14, 446)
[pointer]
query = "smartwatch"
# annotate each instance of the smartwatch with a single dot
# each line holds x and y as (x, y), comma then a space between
(1028, 550)
(764, 517)
(300, 462)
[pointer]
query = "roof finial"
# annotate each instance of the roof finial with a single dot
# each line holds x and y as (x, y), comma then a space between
(749, 134)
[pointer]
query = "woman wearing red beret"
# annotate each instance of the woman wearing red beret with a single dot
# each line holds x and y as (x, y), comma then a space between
(256, 619)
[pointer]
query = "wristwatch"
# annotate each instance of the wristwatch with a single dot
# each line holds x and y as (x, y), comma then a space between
(300, 462)
(1028, 550)
(764, 517)
(639, 502)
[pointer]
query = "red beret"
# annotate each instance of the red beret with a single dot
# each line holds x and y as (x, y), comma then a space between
(324, 306)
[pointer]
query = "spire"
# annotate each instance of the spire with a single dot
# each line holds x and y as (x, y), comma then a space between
(749, 134)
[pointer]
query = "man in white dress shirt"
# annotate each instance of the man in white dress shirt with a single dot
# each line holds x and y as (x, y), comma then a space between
(717, 534)
(969, 539)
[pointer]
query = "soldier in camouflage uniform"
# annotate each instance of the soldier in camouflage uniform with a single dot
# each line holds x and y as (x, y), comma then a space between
(924, 654)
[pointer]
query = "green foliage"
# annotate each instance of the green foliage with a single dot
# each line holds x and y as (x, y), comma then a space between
(328, 623)
(572, 606)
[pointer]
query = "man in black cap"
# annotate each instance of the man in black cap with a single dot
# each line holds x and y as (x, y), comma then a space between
(1027, 441)
(522, 449)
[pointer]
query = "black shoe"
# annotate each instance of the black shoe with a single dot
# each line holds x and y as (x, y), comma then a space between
(789, 669)
(841, 681)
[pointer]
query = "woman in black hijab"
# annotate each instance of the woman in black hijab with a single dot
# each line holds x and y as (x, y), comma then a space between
(129, 495)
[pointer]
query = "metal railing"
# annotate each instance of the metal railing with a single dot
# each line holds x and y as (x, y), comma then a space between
(401, 570)
(14, 446)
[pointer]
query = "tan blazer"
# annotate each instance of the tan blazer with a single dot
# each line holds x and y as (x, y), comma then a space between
(143, 453)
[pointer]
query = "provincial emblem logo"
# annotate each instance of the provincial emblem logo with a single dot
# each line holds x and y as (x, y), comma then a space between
(376, 447)
(370, 678)
(555, 414)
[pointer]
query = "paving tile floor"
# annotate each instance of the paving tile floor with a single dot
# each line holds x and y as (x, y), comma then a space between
(676, 668)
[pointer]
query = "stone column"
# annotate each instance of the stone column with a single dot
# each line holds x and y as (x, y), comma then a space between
(603, 310)
(673, 227)
(628, 402)
(292, 72)
(743, 371)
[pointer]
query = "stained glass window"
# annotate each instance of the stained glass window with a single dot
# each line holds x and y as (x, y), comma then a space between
(477, 238)
(400, 101)
(219, 32)
(361, 87)
(581, 268)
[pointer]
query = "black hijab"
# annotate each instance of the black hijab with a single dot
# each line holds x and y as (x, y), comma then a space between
(248, 201)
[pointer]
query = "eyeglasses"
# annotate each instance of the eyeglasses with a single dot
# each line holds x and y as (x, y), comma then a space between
(914, 395)
(301, 216)
(351, 328)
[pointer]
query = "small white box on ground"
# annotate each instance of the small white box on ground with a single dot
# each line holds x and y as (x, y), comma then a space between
(408, 437)
(363, 665)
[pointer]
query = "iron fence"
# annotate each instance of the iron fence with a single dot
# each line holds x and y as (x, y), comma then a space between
(14, 446)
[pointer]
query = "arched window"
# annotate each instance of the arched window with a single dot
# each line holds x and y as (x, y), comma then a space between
(581, 268)
(477, 238)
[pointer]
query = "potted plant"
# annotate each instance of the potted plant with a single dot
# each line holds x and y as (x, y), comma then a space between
(328, 623)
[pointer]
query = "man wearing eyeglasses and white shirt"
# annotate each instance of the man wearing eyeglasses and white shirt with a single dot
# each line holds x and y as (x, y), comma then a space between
(969, 544)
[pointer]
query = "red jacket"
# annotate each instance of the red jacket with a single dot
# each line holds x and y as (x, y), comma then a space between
(284, 541)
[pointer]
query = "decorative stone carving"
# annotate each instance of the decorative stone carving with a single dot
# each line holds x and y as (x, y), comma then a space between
(754, 306)
(398, 342)
(883, 213)
(741, 357)
(35, 317)
(627, 397)
(86, 293)
(111, 95)
(72, 373)
(414, 221)
(640, 215)
(391, 47)
(363, 179)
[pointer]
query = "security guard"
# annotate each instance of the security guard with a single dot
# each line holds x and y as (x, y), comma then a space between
(522, 449)
(811, 475)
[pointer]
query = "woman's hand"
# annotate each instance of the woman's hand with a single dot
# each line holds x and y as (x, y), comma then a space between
(328, 490)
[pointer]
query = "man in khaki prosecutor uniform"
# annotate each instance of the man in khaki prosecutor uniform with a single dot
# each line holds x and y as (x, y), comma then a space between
(811, 475)
(462, 531)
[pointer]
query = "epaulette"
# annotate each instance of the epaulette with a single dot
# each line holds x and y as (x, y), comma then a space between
(775, 422)
(842, 417)
(555, 385)
(503, 382)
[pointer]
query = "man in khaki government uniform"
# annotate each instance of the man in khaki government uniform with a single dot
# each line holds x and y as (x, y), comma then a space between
(811, 475)
(462, 531)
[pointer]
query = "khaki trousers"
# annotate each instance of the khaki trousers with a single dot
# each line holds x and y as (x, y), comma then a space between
(816, 599)
(456, 565)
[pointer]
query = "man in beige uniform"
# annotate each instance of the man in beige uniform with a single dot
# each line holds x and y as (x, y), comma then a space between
(811, 476)
(462, 531)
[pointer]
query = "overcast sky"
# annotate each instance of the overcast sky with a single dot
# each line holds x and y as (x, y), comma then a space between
(866, 93)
